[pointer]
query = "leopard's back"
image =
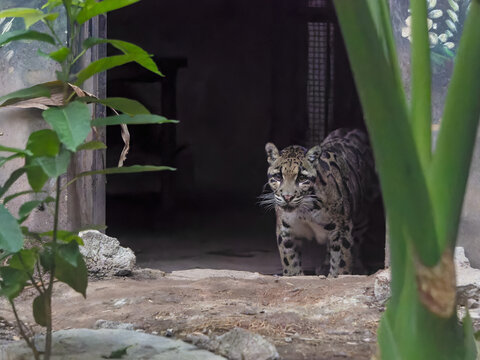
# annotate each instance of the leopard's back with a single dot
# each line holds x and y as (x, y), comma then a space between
(346, 164)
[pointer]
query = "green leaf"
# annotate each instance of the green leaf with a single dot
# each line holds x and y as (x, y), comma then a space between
(28, 207)
(140, 56)
(11, 180)
(24, 260)
(23, 94)
(121, 170)
(127, 106)
(25, 35)
(127, 119)
(70, 252)
(65, 236)
(47, 257)
(54, 166)
(13, 281)
(43, 143)
(51, 4)
(39, 310)
(59, 55)
(92, 145)
(36, 176)
(74, 276)
(117, 354)
(127, 169)
(92, 8)
(102, 65)
(72, 123)
(29, 15)
(11, 238)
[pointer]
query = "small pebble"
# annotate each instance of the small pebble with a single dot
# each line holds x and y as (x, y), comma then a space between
(249, 311)
(288, 339)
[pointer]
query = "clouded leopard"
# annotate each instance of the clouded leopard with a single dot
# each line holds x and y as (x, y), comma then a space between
(323, 194)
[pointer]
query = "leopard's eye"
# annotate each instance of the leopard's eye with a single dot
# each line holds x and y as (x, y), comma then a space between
(302, 178)
(276, 177)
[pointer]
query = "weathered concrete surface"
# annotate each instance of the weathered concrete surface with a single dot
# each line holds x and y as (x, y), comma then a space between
(87, 344)
(305, 317)
(104, 256)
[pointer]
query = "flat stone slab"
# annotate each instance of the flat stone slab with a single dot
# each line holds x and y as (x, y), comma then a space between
(86, 344)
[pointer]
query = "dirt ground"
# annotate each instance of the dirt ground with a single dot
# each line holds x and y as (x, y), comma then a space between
(305, 317)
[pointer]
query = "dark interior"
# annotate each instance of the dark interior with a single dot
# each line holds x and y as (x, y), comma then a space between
(238, 73)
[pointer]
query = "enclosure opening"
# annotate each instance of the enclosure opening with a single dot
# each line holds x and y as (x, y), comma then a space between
(238, 73)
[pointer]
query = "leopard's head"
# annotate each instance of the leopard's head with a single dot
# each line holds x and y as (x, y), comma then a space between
(292, 175)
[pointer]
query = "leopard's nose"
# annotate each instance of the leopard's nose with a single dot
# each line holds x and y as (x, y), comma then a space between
(288, 197)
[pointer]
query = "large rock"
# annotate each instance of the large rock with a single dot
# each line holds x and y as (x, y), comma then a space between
(237, 344)
(86, 344)
(104, 255)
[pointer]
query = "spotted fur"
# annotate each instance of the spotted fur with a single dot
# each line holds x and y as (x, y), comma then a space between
(322, 194)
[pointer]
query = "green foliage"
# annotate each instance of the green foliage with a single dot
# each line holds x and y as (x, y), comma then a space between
(93, 8)
(11, 238)
(71, 122)
(25, 35)
(137, 119)
(117, 354)
(48, 153)
(423, 191)
(39, 313)
(27, 93)
(126, 106)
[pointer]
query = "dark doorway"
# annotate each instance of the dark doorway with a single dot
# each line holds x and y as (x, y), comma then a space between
(238, 73)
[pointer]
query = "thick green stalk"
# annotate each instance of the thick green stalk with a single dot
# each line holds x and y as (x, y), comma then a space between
(376, 73)
(456, 140)
(421, 82)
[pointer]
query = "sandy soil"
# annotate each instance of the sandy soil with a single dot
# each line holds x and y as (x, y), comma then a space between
(305, 317)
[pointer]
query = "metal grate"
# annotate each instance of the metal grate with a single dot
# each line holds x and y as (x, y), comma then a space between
(319, 82)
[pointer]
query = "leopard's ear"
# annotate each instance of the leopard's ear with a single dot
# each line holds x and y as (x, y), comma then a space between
(314, 153)
(272, 153)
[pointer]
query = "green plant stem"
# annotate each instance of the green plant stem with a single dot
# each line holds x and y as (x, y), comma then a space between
(30, 275)
(48, 294)
(420, 115)
(79, 56)
(367, 36)
(456, 139)
(50, 27)
(23, 334)
(40, 275)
